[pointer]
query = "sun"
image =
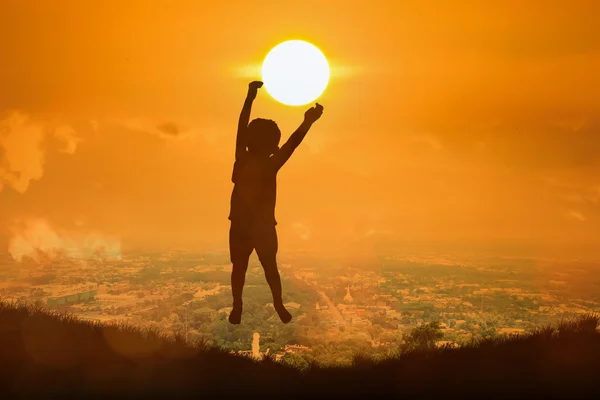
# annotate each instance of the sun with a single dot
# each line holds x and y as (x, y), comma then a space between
(295, 72)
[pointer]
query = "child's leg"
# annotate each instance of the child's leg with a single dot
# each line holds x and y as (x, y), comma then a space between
(266, 249)
(240, 248)
(238, 278)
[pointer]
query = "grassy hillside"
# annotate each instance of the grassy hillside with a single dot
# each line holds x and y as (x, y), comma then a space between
(42, 353)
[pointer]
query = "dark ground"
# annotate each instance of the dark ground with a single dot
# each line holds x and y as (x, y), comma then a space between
(46, 355)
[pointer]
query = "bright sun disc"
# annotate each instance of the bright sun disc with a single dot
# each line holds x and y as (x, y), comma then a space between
(295, 72)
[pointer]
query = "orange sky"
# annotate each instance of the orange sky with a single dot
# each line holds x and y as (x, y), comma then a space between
(471, 124)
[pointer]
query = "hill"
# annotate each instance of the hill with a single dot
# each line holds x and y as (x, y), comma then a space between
(44, 353)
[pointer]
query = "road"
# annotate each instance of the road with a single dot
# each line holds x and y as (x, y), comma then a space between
(334, 310)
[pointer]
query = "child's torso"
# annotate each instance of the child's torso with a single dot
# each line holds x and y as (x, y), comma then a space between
(254, 193)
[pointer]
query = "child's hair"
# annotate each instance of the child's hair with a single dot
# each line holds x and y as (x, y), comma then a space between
(263, 134)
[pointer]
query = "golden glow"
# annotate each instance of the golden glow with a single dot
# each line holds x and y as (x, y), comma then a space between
(295, 72)
(443, 124)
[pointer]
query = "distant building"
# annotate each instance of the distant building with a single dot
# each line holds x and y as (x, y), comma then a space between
(71, 298)
(361, 322)
(200, 294)
(297, 349)
(118, 298)
(255, 346)
(255, 352)
(348, 296)
(293, 306)
(510, 331)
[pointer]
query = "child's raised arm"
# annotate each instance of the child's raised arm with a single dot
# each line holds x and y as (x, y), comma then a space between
(241, 140)
(310, 117)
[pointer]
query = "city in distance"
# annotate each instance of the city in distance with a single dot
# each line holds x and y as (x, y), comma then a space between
(340, 306)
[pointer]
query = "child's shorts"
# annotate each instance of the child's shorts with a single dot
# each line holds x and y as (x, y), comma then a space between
(244, 238)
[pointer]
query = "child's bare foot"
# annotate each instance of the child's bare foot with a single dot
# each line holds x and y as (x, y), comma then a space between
(284, 314)
(235, 317)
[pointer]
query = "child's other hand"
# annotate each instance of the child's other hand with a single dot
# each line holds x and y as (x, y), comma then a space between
(313, 113)
(253, 88)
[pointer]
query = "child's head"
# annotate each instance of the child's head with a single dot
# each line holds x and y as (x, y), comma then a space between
(263, 137)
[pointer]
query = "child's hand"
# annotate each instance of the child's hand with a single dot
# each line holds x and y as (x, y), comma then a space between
(255, 85)
(313, 113)
(253, 88)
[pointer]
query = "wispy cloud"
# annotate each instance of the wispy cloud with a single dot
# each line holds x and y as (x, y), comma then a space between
(68, 136)
(37, 240)
(164, 129)
(576, 215)
(22, 155)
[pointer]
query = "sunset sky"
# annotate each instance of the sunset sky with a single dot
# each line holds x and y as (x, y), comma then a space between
(445, 122)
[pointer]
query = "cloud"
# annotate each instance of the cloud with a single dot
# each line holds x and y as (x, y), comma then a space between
(576, 215)
(67, 135)
(21, 151)
(22, 154)
(169, 128)
(165, 130)
(37, 240)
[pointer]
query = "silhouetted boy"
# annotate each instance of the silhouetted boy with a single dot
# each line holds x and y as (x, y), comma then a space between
(258, 158)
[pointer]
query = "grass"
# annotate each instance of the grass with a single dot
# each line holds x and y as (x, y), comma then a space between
(44, 353)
